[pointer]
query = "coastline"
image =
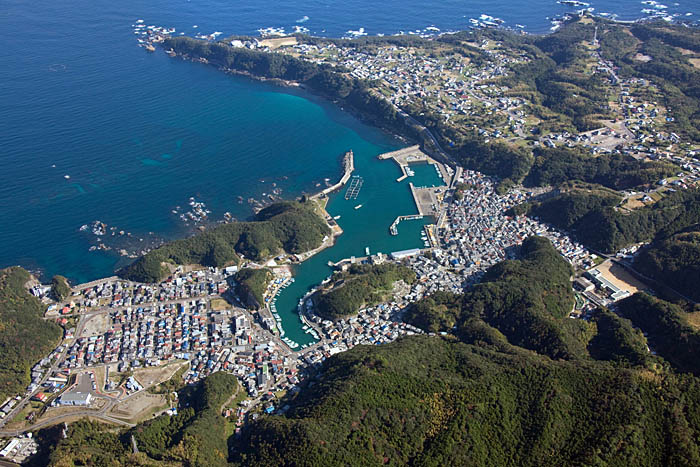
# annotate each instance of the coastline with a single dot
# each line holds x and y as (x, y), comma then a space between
(412, 135)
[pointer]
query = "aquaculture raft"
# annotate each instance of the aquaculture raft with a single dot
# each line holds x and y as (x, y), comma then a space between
(354, 188)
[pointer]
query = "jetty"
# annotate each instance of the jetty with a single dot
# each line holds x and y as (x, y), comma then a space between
(393, 229)
(348, 168)
(414, 155)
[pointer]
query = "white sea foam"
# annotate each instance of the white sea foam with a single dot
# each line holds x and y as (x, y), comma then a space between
(358, 33)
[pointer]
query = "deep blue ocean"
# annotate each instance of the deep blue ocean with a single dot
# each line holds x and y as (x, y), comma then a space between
(139, 134)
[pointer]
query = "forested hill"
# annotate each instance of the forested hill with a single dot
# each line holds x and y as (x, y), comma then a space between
(25, 338)
(669, 330)
(590, 213)
(526, 300)
(361, 285)
(292, 227)
(675, 262)
(430, 401)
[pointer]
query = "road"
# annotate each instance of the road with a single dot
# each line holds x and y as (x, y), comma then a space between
(54, 366)
(84, 318)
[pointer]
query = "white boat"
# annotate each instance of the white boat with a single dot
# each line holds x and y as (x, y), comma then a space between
(358, 206)
(336, 217)
(367, 250)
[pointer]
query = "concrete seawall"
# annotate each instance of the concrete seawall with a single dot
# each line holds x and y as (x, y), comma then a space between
(399, 153)
(94, 283)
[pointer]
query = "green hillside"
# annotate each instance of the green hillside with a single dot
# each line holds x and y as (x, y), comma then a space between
(25, 338)
(528, 300)
(430, 401)
(251, 285)
(675, 262)
(591, 216)
(361, 285)
(290, 227)
(668, 330)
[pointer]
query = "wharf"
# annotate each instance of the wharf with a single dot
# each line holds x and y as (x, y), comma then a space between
(393, 229)
(414, 155)
(427, 199)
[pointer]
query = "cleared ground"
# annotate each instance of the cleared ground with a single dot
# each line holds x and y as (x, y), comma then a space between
(219, 304)
(139, 407)
(157, 374)
(694, 319)
(619, 277)
(96, 325)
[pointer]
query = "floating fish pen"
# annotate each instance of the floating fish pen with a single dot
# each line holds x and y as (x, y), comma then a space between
(354, 188)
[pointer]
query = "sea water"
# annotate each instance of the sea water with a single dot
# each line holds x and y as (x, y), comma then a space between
(94, 128)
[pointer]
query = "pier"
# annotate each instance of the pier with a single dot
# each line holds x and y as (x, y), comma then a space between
(393, 229)
(414, 155)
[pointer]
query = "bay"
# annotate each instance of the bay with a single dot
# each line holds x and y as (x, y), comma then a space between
(139, 134)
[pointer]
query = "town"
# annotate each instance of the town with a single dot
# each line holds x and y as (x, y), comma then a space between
(125, 341)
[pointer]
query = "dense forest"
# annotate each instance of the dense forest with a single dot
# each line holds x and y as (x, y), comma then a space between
(291, 227)
(553, 166)
(251, 285)
(431, 401)
(668, 330)
(589, 213)
(25, 338)
(527, 300)
(675, 262)
(361, 285)
(617, 340)
(60, 289)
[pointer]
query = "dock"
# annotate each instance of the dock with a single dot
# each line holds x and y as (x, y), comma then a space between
(414, 155)
(393, 229)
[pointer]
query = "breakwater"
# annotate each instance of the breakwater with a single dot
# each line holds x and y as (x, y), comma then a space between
(348, 169)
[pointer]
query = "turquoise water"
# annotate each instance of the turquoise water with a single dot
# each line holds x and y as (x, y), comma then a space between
(425, 176)
(382, 199)
(138, 133)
